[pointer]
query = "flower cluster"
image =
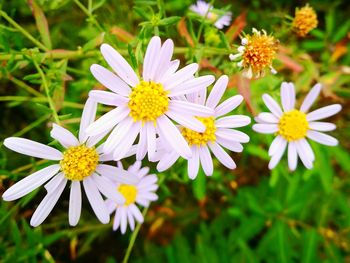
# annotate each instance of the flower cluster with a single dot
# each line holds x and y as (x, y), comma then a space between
(164, 113)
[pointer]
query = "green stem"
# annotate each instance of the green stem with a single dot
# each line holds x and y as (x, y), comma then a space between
(46, 87)
(133, 238)
(23, 31)
(24, 86)
(40, 99)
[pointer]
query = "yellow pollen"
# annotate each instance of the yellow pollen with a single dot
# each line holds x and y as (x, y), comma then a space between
(201, 138)
(213, 17)
(304, 21)
(129, 192)
(259, 51)
(293, 125)
(79, 162)
(148, 101)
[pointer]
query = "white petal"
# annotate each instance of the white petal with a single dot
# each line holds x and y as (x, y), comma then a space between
(229, 144)
(119, 65)
(322, 138)
(228, 105)
(277, 155)
(272, 105)
(166, 52)
(180, 76)
(107, 98)
(151, 139)
(116, 174)
(117, 219)
(87, 117)
(31, 182)
(222, 156)
(206, 160)
(233, 135)
(234, 121)
(32, 148)
(142, 144)
(287, 96)
(310, 98)
(174, 65)
(52, 185)
(192, 85)
(131, 220)
(74, 203)
(95, 200)
(124, 146)
(123, 220)
(267, 117)
(323, 112)
(292, 156)
(167, 161)
(107, 188)
(136, 212)
(322, 126)
(217, 92)
(63, 136)
(150, 63)
(278, 143)
(304, 157)
(265, 128)
(110, 80)
(107, 121)
(173, 136)
(193, 163)
(189, 108)
(306, 148)
(187, 121)
(46, 205)
(117, 135)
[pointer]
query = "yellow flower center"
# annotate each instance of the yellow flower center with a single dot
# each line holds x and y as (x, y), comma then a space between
(201, 138)
(129, 192)
(148, 101)
(293, 125)
(213, 17)
(259, 51)
(305, 20)
(79, 162)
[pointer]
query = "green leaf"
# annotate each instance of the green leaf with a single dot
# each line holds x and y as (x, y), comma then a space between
(169, 21)
(309, 246)
(199, 185)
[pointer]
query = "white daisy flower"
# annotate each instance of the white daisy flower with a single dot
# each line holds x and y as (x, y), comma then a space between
(141, 193)
(293, 126)
(78, 163)
(146, 106)
(219, 133)
(205, 9)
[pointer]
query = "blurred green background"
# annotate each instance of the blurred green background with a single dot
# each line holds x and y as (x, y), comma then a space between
(249, 214)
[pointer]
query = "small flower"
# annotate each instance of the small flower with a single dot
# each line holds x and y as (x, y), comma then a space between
(141, 193)
(304, 21)
(217, 17)
(257, 51)
(218, 133)
(79, 163)
(293, 126)
(146, 106)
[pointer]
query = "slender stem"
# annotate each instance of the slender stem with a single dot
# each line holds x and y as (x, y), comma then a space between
(24, 86)
(23, 31)
(41, 99)
(89, 14)
(46, 87)
(133, 238)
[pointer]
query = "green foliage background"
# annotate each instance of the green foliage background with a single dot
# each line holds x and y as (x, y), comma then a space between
(249, 214)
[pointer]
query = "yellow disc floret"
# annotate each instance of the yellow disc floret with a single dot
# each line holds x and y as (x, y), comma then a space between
(259, 51)
(79, 162)
(293, 125)
(201, 138)
(148, 101)
(129, 192)
(304, 21)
